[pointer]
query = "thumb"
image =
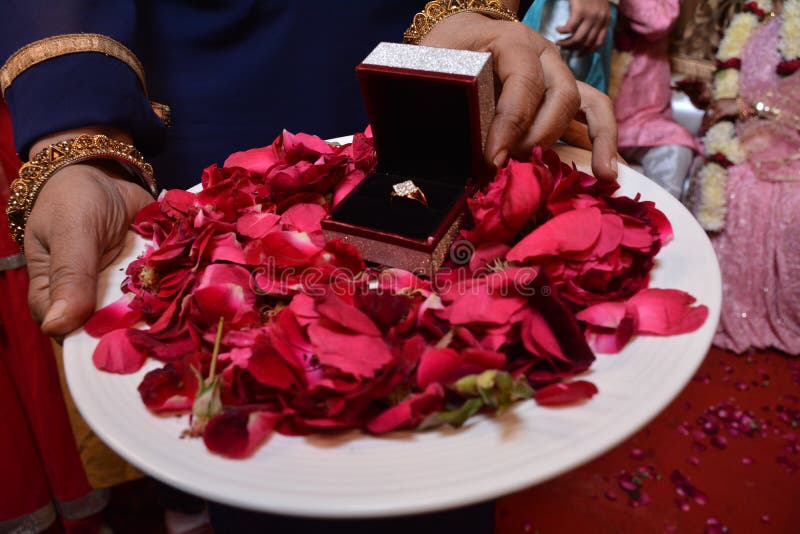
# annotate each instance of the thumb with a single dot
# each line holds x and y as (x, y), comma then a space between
(74, 262)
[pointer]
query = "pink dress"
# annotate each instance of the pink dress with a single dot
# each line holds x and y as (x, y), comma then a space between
(643, 103)
(759, 247)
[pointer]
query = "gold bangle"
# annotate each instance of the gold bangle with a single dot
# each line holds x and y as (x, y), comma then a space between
(34, 174)
(438, 10)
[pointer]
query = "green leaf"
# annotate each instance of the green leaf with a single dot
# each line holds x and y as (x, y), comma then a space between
(498, 389)
(455, 418)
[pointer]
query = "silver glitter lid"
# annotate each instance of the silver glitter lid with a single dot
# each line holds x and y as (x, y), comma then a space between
(426, 58)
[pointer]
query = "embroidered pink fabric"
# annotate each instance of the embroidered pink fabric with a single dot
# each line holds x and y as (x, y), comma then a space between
(759, 249)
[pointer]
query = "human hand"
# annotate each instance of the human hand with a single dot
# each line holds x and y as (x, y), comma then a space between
(587, 24)
(718, 110)
(77, 228)
(539, 95)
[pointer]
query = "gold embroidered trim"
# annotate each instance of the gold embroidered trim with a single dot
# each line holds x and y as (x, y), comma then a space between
(438, 10)
(61, 45)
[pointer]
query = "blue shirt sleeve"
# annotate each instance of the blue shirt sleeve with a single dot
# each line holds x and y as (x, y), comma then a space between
(76, 90)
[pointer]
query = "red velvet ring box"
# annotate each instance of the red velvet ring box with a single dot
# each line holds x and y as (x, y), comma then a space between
(430, 110)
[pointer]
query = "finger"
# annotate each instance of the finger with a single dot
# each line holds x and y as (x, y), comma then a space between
(600, 39)
(561, 102)
(74, 264)
(577, 134)
(590, 45)
(574, 20)
(578, 38)
(602, 127)
(523, 87)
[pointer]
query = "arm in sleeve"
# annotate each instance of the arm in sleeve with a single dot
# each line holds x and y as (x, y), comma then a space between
(79, 89)
(652, 19)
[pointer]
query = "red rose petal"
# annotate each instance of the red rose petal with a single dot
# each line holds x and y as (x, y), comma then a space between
(486, 254)
(336, 310)
(536, 333)
(610, 341)
(410, 412)
(116, 315)
(225, 247)
(487, 359)
(171, 388)
(116, 353)
(637, 234)
(605, 314)
(562, 393)
(521, 197)
(612, 231)
(257, 225)
(284, 249)
(269, 368)
(359, 355)
(257, 160)
(667, 312)
(238, 433)
(572, 231)
(437, 365)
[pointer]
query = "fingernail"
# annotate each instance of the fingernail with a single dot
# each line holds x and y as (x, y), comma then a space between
(613, 165)
(500, 158)
(55, 312)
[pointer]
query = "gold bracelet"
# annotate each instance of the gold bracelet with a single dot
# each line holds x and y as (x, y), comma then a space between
(34, 174)
(438, 10)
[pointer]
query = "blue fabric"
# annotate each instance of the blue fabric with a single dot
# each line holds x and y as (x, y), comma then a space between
(600, 68)
(234, 72)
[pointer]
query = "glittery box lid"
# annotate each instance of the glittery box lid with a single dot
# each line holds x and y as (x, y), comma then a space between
(430, 109)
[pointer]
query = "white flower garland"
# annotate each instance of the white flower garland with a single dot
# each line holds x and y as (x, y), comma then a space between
(711, 213)
(789, 45)
(736, 36)
(721, 146)
(721, 139)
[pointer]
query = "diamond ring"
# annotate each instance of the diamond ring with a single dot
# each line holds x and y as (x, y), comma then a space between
(409, 190)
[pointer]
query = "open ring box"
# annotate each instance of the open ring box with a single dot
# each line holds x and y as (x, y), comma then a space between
(430, 110)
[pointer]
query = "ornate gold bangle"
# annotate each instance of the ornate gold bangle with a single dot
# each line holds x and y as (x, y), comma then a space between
(438, 10)
(34, 174)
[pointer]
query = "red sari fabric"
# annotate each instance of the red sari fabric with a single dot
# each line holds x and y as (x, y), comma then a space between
(38, 456)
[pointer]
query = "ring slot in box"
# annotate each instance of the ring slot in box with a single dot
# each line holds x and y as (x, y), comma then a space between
(430, 110)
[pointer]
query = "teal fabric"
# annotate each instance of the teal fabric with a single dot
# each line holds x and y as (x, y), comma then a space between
(599, 71)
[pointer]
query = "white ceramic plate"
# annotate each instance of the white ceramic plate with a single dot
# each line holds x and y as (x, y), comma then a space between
(354, 475)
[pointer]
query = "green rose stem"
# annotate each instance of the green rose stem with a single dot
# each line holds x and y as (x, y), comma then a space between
(215, 355)
(207, 402)
(492, 388)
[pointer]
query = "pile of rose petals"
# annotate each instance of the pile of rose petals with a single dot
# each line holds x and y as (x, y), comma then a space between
(314, 340)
